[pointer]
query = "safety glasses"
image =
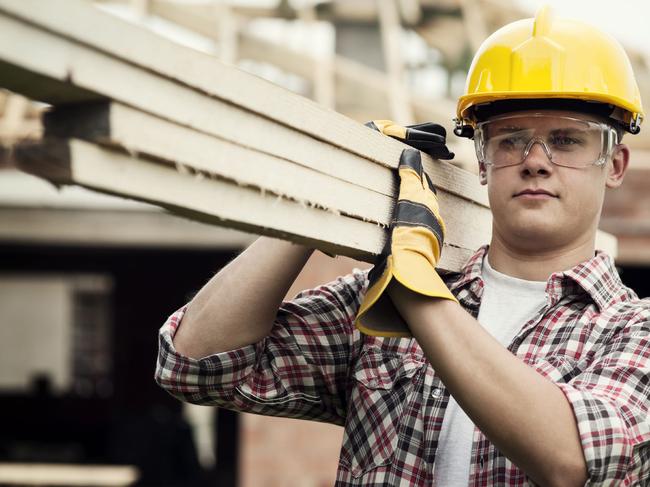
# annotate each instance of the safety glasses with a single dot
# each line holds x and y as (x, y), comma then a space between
(566, 141)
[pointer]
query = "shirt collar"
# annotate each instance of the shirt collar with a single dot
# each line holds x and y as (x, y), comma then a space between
(467, 284)
(471, 271)
(596, 277)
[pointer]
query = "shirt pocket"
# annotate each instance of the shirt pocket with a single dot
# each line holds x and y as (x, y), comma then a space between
(383, 387)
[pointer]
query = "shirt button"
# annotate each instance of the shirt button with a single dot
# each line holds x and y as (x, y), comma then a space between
(372, 383)
(436, 392)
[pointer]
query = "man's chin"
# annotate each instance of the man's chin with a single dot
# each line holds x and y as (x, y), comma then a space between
(537, 235)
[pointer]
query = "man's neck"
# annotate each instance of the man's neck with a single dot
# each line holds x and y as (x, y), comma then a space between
(536, 264)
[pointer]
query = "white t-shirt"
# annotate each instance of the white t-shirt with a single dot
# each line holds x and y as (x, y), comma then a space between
(507, 304)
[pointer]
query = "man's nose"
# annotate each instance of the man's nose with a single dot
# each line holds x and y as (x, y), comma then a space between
(537, 159)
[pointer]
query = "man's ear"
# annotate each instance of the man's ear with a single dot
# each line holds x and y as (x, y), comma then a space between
(482, 173)
(617, 169)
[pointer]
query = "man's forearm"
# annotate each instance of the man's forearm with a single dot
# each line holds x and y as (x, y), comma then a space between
(526, 416)
(238, 305)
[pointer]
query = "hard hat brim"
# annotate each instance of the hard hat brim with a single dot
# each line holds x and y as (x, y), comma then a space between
(467, 103)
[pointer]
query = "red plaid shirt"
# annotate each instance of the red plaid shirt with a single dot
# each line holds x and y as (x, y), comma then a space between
(591, 339)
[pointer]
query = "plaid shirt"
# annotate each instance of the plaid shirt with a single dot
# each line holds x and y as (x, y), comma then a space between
(591, 339)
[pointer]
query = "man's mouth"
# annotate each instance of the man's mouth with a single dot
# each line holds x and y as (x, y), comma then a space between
(534, 194)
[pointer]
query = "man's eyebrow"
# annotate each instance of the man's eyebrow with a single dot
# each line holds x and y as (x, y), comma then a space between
(510, 128)
(565, 130)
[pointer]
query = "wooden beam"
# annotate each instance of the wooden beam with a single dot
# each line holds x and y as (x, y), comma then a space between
(41, 57)
(87, 27)
(195, 152)
(195, 110)
(134, 45)
(348, 184)
(213, 201)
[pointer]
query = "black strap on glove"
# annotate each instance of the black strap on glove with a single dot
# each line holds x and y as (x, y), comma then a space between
(428, 137)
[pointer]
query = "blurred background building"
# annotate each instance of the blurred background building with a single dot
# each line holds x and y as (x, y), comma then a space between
(86, 279)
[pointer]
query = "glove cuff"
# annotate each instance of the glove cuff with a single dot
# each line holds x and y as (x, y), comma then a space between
(377, 315)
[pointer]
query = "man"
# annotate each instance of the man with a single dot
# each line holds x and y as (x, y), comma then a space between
(531, 366)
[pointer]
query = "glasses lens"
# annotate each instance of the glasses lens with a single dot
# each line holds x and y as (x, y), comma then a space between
(570, 142)
(506, 146)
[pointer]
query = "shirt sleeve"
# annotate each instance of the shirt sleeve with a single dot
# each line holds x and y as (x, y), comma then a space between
(610, 403)
(299, 370)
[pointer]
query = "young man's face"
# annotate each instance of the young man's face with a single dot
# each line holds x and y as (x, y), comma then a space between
(541, 205)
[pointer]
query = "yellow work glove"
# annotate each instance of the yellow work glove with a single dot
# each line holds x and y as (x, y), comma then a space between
(411, 253)
(428, 137)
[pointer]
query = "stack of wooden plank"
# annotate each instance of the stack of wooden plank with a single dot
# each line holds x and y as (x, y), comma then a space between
(137, 115)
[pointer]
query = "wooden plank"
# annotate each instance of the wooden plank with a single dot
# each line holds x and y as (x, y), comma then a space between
(77, 20)
(189, 150)
(78, 162)
(103, 74)
(90, 63)
(138, 132)
(48, 55)
(80, 21)
(85, 164)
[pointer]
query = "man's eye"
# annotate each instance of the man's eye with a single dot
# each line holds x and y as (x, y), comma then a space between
(511, 141)
(564, 141)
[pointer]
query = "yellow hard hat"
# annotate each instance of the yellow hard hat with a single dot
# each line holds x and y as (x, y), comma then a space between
(551, 59)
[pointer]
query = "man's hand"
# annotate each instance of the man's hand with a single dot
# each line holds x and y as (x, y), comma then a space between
(411, 252)
(428, 137)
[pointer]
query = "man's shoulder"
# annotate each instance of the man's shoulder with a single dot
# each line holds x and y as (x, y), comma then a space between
(639, 307)
(630, 314)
